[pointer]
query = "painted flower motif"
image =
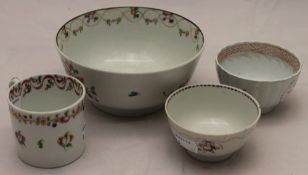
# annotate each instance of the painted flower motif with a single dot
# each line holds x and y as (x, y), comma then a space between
(15, 93)
(69, 86)
(65, 118)
(65, 32)
(111, 21)
(78, 30)
(91, 16)
(134, 11)
(66, 140)
(148, 21)
(209, 146)
(183, 32)
(69, 68)
(196, 34)
(20, 138)
(167, 16)
(49, 84)
(51, 121)
(27, 88)
(92, 93)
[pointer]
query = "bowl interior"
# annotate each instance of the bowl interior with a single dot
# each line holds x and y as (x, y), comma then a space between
(258, 61)
(45, 93)
(212, 109)
(130, 40)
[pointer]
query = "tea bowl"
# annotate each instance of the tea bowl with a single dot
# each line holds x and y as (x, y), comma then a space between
(266, 71)
(211, 121)
(130, 58)
(47, 119)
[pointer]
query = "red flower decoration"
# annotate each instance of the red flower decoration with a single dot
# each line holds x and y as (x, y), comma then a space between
(20, 138)
(66, 140)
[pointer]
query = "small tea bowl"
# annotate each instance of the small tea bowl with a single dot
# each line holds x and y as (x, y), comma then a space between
(266, 71)
(211, 121)
(47, 119)
(130, 58)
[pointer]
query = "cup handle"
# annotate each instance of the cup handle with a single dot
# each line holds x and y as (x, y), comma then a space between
(13, 81)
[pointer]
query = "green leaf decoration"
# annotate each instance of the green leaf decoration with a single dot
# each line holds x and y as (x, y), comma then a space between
(119, 20)
(37, 121)
(69, 87)
(50, 81)
(66, 135)
(197, 48)
(147, 21)
(133, 94)
(40, 143)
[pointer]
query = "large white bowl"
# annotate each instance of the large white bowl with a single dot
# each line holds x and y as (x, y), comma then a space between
(130, 58)
(211, 121)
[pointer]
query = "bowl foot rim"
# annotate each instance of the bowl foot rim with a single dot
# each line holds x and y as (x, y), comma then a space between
(206, 158)
(128, 112)
(265, 110)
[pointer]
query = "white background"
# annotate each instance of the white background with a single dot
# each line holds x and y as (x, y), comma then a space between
(145, 146)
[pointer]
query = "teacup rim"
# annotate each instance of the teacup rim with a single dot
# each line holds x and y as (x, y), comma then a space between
(294, 74)
(250, 97)
(78, 101)
(196, 55)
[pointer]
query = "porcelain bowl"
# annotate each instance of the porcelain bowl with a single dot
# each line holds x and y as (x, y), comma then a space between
(130, 58)
(211, 121)
(266, 71)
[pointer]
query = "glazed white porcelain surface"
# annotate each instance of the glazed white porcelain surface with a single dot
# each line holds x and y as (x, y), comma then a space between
(130, 58)
(211, 121)
(265, 71)
(47, 119)
(256, 66)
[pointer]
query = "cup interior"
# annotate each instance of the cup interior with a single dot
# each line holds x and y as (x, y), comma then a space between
(212, 109)
(258, 61)
(46, 93)
(130, 39)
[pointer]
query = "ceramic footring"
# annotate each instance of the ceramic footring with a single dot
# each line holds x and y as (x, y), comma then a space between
(128, 112)
(268, 109)
(209, 158)
(55, 165)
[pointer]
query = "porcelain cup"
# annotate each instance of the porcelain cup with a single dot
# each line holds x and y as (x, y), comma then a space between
(47, 114)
